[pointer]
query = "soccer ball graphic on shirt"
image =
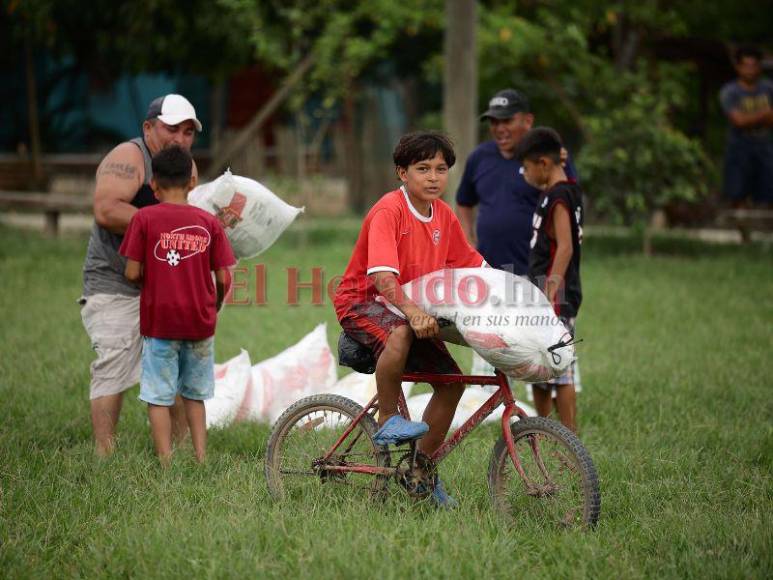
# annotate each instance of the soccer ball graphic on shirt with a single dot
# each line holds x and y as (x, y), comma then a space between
(178, 245)
(173, 257)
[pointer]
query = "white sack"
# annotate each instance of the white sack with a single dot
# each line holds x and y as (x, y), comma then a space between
(253, 217)
(232, 381)
(360, 387)
(503, 317)
(471, 401)
(306, 368)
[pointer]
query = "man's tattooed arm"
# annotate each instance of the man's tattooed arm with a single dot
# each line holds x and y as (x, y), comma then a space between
(119, 170)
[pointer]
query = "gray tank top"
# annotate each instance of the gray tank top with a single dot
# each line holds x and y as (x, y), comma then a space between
(104, 266)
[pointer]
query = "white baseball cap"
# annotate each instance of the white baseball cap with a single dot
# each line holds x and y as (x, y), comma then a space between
(173, 110)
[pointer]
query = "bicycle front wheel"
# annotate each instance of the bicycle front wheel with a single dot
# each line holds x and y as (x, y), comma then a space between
(558, 485)
(305, 433)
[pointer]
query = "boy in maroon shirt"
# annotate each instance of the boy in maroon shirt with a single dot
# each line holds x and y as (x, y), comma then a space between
(172, 249)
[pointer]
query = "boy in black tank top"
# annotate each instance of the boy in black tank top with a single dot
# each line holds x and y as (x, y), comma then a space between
(554, 259)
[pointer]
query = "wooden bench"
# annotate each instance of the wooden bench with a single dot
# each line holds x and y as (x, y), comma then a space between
(52, 205)
(747, 221)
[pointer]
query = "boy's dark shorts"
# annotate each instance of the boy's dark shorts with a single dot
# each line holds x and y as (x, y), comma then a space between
(371, 324)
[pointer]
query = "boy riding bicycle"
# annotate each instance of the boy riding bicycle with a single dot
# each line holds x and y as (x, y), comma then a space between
(409, 232)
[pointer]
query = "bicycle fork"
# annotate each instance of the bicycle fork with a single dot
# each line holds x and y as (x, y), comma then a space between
(531, 488)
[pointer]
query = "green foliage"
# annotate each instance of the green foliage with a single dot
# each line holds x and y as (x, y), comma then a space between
(565, 54)
(110, 38)
(578, 63)
(347, 39)
(635, 162)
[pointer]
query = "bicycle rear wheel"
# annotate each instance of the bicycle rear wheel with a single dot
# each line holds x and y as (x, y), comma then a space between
(560, 483)
(304, 434)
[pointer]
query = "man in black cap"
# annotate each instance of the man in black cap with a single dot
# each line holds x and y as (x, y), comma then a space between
(110, 305)
(493, 183)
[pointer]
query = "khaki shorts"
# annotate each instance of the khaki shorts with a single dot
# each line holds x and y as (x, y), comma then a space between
(112, 322)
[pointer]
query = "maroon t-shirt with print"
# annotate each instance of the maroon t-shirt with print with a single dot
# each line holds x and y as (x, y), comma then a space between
(179, 246)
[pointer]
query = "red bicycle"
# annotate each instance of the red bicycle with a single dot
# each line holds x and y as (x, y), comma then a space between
(538, 468)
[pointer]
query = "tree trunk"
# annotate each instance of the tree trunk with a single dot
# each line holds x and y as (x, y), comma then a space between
(625, 43)
(242, 139)
(217, 118)
(646, 245)
(354, 175)
(460, 82)
(32, 115)
(300, 169)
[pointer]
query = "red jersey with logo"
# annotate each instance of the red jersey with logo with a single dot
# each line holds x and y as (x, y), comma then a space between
(179, 247)
(396, 238)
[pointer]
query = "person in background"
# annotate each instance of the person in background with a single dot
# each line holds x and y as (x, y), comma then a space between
(748, 104)
(110, 304)
(494, 202)
(493, 186)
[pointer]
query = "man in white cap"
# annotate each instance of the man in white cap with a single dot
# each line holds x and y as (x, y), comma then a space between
(110, 305)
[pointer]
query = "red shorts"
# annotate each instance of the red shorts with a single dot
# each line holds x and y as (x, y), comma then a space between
(371, 324)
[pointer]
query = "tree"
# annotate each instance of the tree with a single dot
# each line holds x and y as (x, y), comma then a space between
(108, 39)
(636, 163)
(104, 40)
(591, 69)
(351, 43)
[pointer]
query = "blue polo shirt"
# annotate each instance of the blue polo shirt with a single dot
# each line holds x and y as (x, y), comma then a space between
(506, 204)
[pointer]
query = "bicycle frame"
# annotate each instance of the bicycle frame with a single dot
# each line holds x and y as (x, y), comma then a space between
(503, 394)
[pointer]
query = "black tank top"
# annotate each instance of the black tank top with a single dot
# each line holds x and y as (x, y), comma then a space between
(144, 195)
(569, 298)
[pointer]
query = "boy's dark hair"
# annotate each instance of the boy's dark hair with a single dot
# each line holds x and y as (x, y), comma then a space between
(423, 145)
(747, 52)
(172, 167)
(540, 142)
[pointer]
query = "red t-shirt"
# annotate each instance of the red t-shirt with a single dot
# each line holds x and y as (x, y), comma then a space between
(396, 238)
(180, 246)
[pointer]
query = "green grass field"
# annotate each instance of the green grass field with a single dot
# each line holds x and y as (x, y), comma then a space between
(676, 412)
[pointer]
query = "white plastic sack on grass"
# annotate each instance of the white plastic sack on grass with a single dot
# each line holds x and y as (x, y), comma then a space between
(253, 217)
(503, 317)
(360, 387)
(471, 401)
(232, 382)
(306, 368)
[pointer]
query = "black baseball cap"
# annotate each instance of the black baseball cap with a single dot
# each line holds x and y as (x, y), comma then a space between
(505, 104)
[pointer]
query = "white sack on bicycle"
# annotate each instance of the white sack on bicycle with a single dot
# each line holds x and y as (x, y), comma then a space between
(505, 318)
(252, 215)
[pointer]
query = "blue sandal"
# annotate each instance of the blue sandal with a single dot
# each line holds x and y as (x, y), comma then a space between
(398, 430)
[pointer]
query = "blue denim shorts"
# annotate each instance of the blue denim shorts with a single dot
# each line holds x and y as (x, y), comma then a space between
(172, 367)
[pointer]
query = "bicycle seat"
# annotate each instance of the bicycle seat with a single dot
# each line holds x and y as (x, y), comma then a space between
(354, 355)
